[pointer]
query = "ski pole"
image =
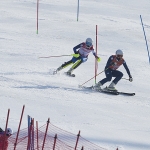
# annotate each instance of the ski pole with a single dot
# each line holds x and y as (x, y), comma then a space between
(125, 78)
(55, 56)
(93, 77)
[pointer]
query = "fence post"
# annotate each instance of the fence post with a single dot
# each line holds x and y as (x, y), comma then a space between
(32, 146)
(54, 141)
(19, 127)
(29, 136)
(3, 148)
(45, 134)
(77, 140)
(37, 135)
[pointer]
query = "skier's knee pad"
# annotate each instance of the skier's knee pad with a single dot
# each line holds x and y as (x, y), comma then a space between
(84, 59)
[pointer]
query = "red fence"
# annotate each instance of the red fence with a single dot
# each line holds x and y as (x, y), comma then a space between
(47, 137)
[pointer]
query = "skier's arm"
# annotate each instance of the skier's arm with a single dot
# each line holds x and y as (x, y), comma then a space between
(98, 58)
(75, 49)
(109, 62)
(128, 71)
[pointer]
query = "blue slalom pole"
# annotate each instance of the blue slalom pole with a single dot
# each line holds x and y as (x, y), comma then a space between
(29, 124)
(78, 11)
(145, 37)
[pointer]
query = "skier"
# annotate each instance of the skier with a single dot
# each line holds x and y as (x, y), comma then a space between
(113, 63)
(4, 144)
(81, 52)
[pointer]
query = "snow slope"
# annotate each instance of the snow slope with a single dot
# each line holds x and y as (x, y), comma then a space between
(106, 120)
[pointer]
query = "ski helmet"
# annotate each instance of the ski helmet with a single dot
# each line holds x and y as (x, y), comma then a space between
(119, 52)
(89, 42)
(9, 131)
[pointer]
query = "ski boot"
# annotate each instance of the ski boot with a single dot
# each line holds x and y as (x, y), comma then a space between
(111, 87)
(69, 72)
(58, 69)
(97, 87)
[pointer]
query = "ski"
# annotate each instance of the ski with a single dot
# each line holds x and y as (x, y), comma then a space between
(125, 93)
(107, 91)
(86, 87)
(101, 91)
(118, 92)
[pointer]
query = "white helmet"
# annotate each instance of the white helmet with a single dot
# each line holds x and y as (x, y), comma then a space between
(89, 42)
(9, 131)
(119, 52)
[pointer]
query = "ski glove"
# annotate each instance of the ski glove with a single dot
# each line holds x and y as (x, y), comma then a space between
(130, 78)
(75, 55)
(98, 59)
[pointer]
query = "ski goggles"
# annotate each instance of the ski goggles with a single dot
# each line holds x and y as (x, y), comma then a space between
(119, 55)
(88, 44)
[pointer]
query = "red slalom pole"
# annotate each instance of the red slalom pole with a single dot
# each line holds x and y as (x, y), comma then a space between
(96, 64)
(37, 15)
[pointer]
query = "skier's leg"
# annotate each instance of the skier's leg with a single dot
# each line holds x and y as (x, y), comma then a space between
(108, 78)
(64, 65)
(77, 64)
(108, 73)
(79, 60)
(118, 76)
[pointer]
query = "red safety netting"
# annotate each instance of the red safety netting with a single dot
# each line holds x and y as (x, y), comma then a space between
(49, 137)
